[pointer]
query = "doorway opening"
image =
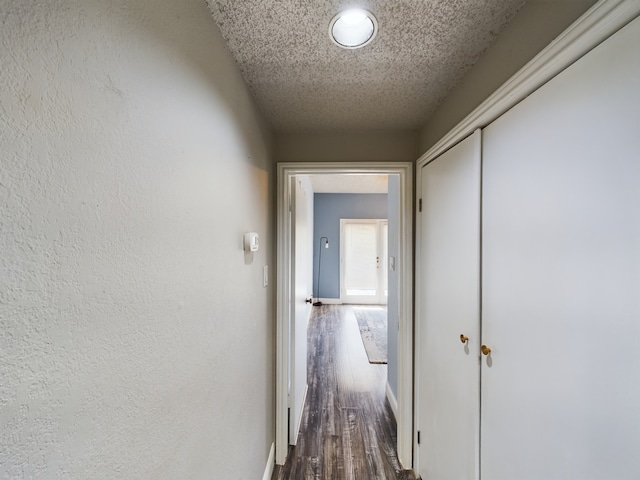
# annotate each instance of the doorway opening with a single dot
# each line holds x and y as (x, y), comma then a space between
(291, 179)
(348, 429)
(363, 260)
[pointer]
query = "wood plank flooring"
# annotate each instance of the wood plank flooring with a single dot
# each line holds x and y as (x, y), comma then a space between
(348, 431)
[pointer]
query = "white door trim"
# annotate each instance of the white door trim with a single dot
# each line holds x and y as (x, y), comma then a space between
(285, 171)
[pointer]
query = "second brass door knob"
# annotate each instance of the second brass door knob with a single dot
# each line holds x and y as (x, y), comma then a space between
(485, 350)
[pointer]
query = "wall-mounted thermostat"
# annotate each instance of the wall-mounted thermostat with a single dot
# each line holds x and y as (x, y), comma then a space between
(251, 242)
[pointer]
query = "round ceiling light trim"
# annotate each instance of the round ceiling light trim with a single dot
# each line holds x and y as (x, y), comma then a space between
(353, 28)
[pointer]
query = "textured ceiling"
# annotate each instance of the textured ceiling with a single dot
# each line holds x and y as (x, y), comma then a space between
(301, 81)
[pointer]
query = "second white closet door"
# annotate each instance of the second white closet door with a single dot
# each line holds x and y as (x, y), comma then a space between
(561, 275)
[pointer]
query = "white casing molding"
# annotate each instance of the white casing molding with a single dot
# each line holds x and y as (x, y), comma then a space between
(285, 171)
(268, 470)
(600, 22)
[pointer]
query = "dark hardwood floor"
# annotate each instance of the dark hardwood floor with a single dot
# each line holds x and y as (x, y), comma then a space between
(348, 430)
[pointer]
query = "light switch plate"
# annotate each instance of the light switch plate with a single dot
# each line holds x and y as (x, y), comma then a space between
(392, 263)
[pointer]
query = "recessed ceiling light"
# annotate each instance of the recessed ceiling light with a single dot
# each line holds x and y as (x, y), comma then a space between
(353, 28)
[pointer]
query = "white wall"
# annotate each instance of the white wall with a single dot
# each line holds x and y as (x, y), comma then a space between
(537, 24)
(136, 338)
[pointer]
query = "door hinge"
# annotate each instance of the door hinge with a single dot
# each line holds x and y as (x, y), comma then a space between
(420, 205)
(418, 437)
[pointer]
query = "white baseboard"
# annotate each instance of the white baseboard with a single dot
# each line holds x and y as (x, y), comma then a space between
(294, 440)
(331, 301)
(268, 471)
(392, 401)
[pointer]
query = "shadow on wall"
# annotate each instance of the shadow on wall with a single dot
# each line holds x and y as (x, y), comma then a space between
(177, 38)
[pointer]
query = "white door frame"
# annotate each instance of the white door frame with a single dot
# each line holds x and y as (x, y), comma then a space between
(285, 172)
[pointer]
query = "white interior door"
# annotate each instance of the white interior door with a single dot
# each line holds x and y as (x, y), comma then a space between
(302, 242)
(363, 259)
(449, 306)
(561, 275)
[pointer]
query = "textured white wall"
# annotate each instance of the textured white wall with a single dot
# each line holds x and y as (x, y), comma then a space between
(136, 338)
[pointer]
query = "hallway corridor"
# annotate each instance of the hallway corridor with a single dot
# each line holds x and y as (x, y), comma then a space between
(348, 430)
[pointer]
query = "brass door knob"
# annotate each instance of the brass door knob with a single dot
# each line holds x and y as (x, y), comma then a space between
(485, 350)
(464, 338)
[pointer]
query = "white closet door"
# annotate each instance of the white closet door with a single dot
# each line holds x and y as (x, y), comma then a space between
(449, 306)
(561, 275)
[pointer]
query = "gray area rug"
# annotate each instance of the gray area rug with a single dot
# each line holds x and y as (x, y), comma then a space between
(373, 330)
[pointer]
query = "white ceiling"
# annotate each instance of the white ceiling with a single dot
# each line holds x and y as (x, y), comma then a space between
(301, 81)
(349, 183)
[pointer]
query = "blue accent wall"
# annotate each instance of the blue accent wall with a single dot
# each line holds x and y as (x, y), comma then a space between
(329, 208)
